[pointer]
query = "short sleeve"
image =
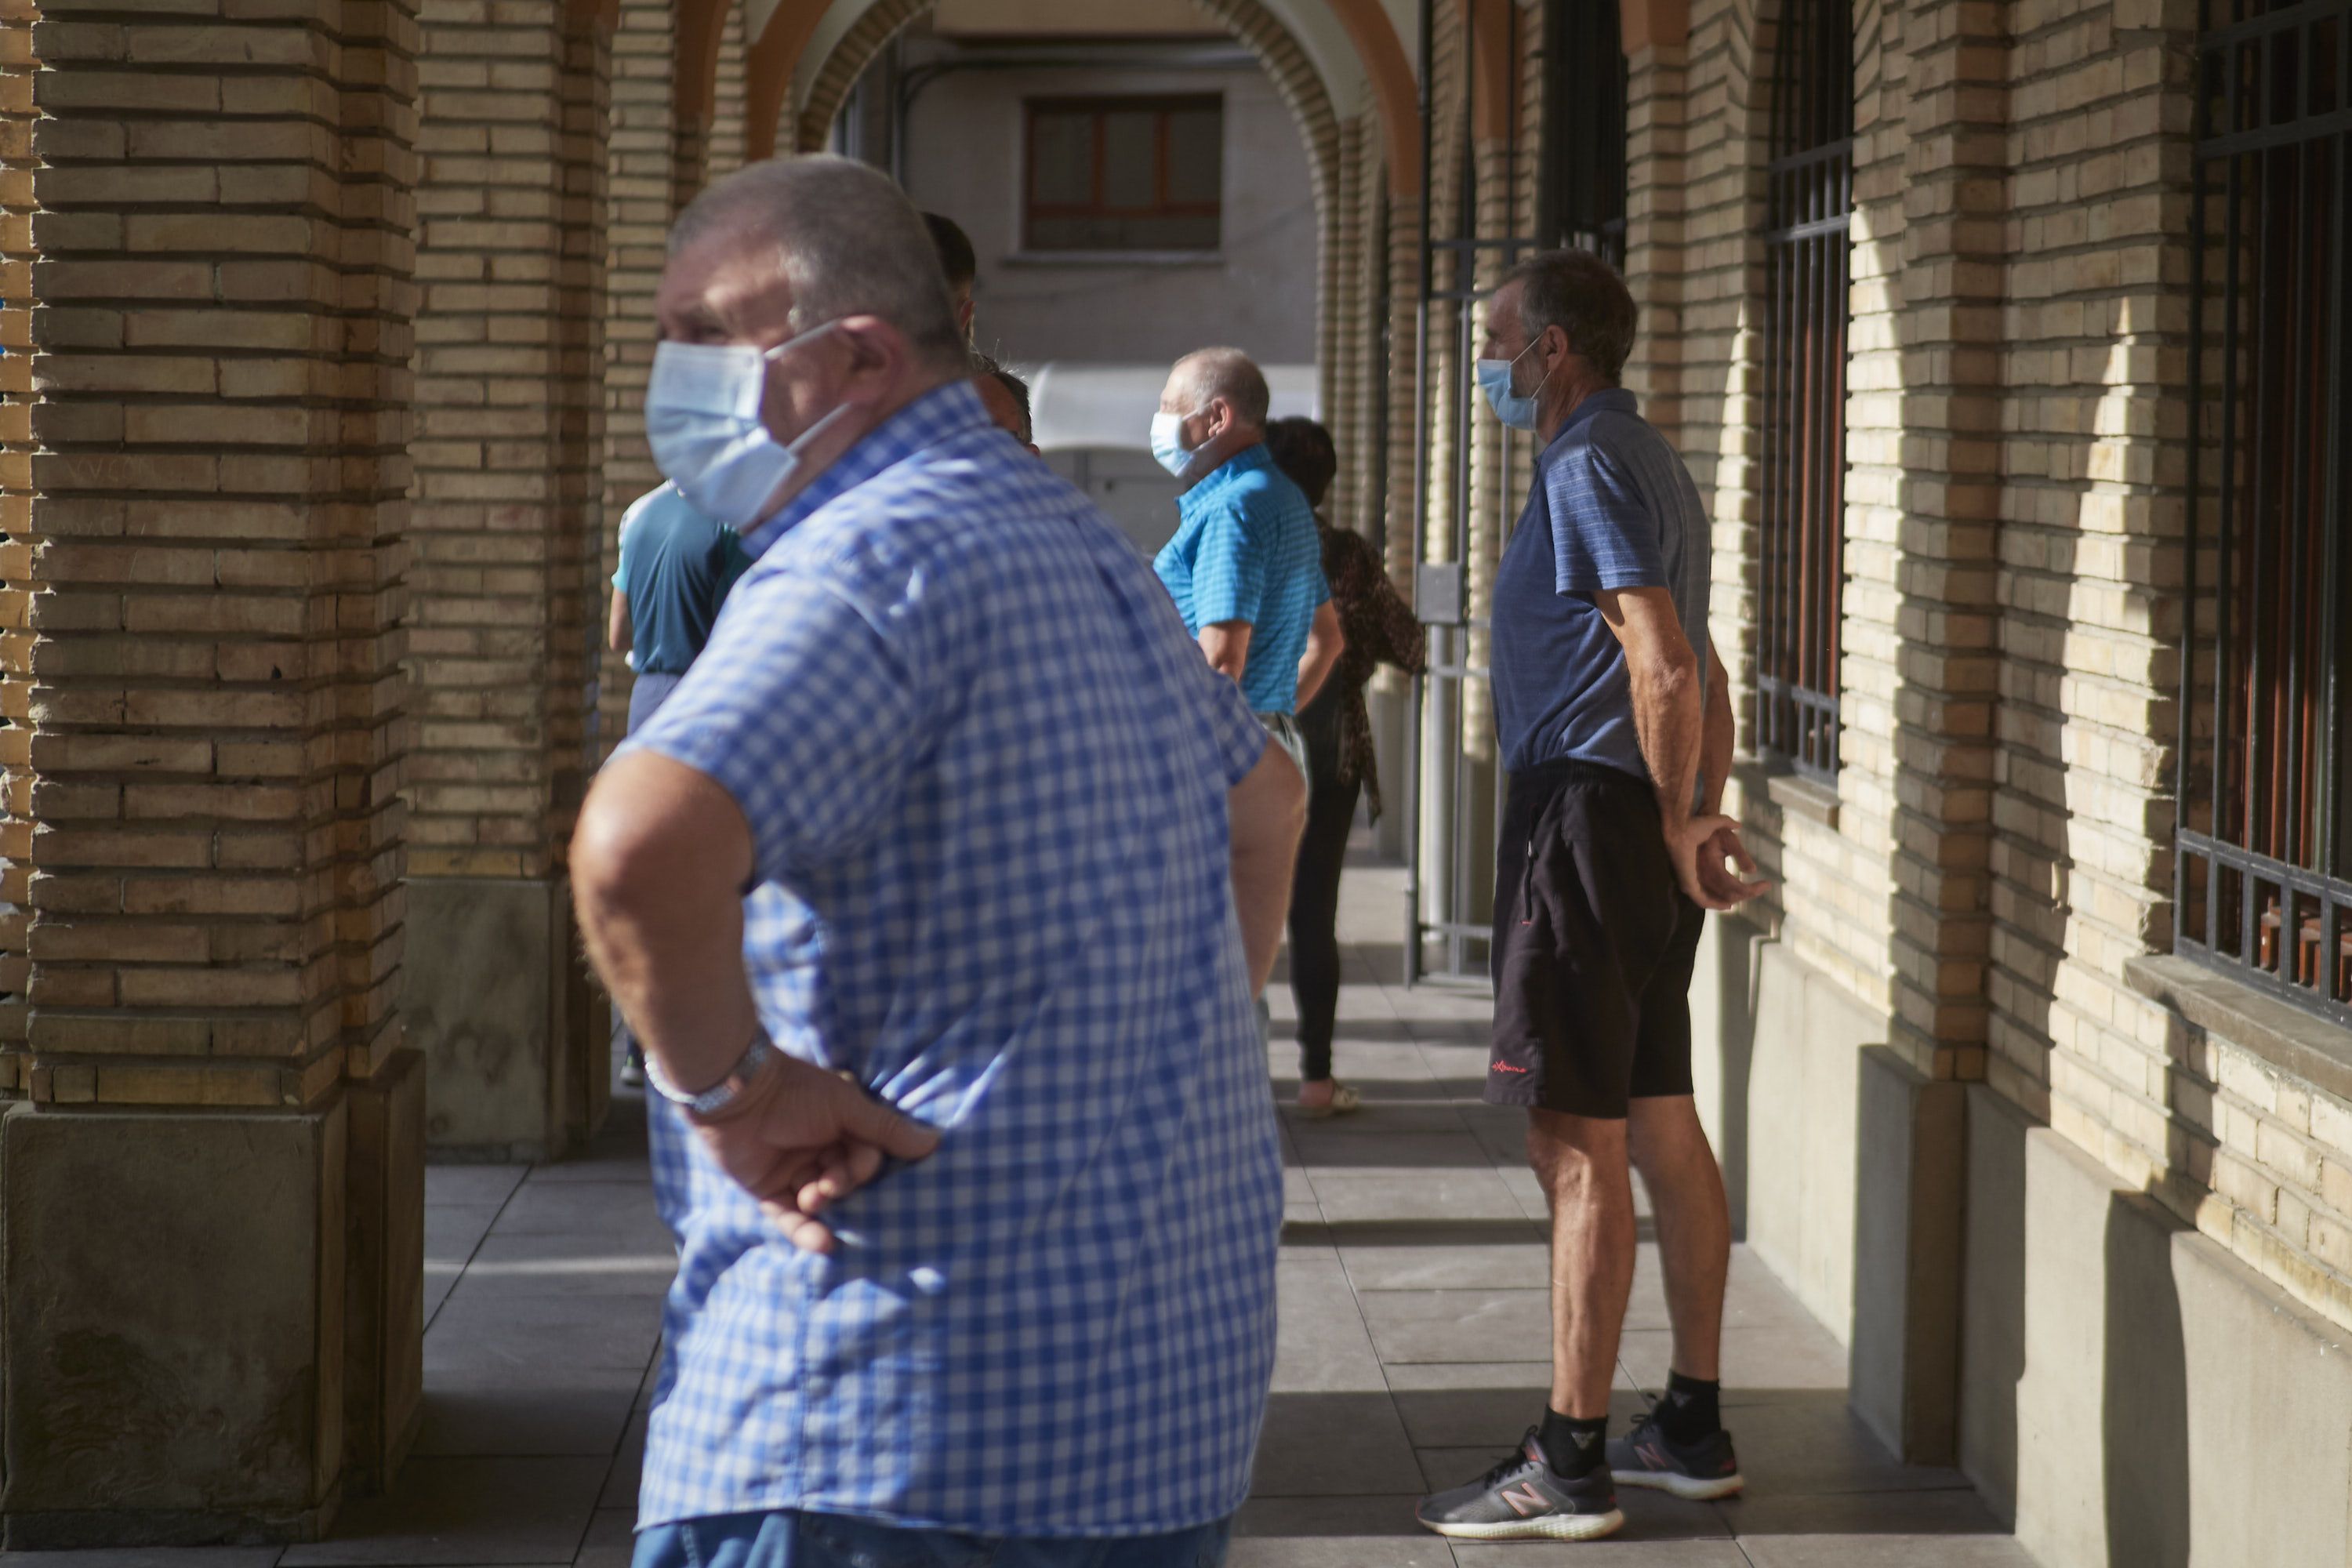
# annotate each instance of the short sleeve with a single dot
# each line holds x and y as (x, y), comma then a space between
(628, 520)
(803, 710)
(1603, 536)
(1229, 569)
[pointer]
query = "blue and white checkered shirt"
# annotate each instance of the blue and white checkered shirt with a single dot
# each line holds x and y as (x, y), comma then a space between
(985, 773)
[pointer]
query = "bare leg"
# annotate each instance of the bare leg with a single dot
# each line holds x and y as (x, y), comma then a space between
(1580, 1160)
(1685, 1187)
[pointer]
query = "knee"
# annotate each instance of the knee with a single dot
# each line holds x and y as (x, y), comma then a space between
(1575, 1154)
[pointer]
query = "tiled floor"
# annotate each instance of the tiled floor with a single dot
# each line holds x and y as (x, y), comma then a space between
(1413, 1323)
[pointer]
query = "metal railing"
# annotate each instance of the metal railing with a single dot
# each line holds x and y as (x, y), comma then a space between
(2263, 874)
(1806, 274)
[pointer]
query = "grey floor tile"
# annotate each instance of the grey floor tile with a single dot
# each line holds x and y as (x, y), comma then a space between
(148, 1557)
(1945, 1512)
(1318, 1336)
(1500, 1374)
(488, 1331)
(600, 1208)
(1885, 1552)
(1459, 1325)
(1756, 1361)
(1335, 1533)
(569, 1263)
(1796, 1443)
(1624, 1550)
(1460, 1194)
(620, 1489)
(552, 1412)
(1491, 1418)
(1321, 1147)
(611, 1540)
(452, 1231)
(465, 1511)
(453, 1185)
(1398, 1263)
(1381, 1119)
(1332, 1445)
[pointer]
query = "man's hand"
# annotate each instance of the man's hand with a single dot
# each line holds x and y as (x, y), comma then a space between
(1700, 846)
(801, 1139)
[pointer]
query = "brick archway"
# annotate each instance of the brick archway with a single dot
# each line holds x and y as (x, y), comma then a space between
(775, 57)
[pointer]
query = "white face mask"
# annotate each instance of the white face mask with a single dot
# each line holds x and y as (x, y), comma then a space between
(1167, 441)
(702, 420)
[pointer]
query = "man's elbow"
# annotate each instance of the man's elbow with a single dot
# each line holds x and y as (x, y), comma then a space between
(616, 860)
(1668, 670)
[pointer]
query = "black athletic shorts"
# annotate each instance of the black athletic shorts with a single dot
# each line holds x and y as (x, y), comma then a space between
(1594, 942)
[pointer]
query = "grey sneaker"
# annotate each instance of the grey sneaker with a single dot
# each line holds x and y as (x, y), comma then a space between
(1523, 1499)
(1646, 1457)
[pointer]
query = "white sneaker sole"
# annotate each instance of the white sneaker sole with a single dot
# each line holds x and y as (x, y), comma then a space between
(1689, 1487)
(1543, 1527)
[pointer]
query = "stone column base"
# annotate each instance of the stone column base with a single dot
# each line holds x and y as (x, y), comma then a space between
(173, 1365)
(497, 998)
(1904, 1355)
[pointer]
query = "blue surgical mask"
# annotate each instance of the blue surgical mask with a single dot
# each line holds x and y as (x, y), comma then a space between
(1168, 442)
(702, 419)
(1513, 409)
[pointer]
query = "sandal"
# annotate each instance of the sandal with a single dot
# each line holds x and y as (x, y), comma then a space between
(1345, 1101)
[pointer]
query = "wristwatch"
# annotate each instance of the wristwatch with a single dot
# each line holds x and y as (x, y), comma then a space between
(711, 1102)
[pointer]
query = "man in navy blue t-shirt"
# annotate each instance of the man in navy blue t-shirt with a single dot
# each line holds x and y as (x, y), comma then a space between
(1616, 733)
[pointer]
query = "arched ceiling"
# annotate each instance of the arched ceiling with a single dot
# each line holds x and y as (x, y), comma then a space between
(1362, 50)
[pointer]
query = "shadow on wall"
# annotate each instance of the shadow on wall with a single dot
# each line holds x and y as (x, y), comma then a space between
(2037, 1364)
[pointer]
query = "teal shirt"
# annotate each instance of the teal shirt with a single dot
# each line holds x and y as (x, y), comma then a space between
(676, 568)
(1249, 551)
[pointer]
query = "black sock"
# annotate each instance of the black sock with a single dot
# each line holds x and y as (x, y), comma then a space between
(1572, 1447)
(1689, 1411)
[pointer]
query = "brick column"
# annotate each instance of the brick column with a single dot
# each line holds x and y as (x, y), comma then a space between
(640, 167)
(505, 611)
(213, 1224)
(1954, 192)
(728, 128)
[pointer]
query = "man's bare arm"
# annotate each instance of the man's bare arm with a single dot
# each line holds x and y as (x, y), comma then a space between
(617, 630)
(1227, 644)
(1325, 643)
(1269, 812)
(1668, 722)
(659, 862)
(1664, 673)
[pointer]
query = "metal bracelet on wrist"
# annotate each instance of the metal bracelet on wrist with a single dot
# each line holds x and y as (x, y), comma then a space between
(711, 1102)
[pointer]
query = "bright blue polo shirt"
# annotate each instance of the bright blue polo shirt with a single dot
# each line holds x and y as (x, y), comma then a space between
(1611, 507)
(1249, 551)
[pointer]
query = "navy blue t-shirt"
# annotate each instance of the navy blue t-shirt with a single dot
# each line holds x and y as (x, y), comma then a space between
(1611, 507)
(676, 568)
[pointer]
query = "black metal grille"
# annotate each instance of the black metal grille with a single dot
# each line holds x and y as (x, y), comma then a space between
(2264, 880)
(1581, 194)
(1809, 205)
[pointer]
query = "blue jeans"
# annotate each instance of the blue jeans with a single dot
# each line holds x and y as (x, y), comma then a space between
(794, 1540)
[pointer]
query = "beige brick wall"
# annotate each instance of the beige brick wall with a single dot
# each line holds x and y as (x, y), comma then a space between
(207, 584)
(506, 508)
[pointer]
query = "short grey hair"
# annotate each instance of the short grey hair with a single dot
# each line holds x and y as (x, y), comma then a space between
(1582, 295)
(848, 241)
(985, 364)
(1231, 374)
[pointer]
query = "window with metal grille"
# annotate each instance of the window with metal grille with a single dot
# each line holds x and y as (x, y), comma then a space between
(1583, 192)
(1810, 201)
(1124, 174)
(2264, 871)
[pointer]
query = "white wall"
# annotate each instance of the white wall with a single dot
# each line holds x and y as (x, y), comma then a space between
(963, 158)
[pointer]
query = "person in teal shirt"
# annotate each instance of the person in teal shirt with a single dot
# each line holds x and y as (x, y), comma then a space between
(676, 568)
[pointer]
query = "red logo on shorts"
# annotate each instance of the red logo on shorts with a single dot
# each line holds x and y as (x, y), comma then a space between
(1505, 1067)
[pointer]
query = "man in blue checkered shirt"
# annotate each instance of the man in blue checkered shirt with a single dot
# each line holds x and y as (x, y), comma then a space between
(953, 825)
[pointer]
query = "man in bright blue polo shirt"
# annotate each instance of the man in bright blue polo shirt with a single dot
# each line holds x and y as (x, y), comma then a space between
(1246, 566)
